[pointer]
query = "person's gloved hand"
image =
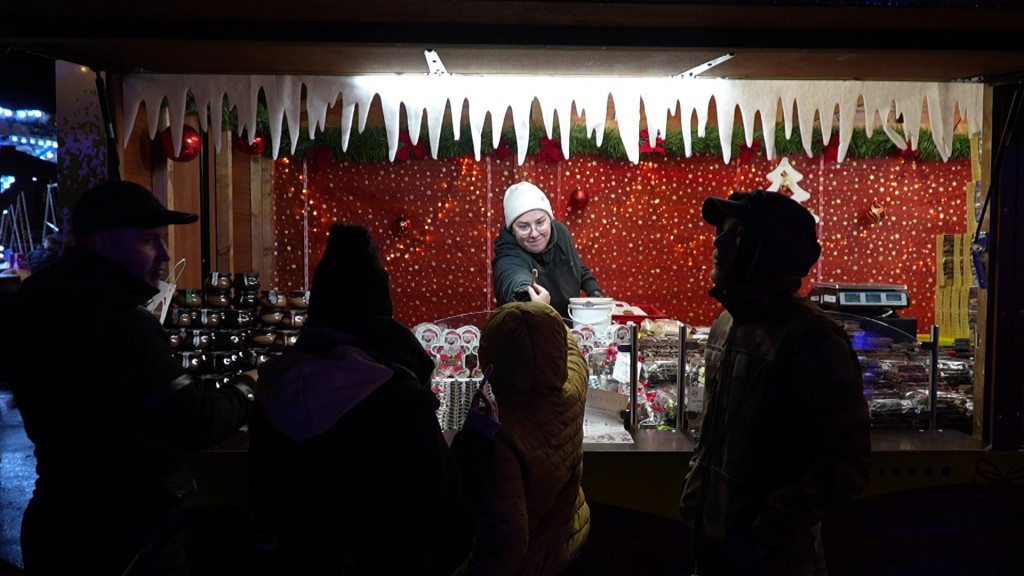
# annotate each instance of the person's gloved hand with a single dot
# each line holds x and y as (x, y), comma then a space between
(596, 294)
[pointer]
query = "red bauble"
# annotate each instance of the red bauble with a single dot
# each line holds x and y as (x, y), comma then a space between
(191, 144)
(401, 226)
(579, 199)
(872, 215)
(258, 145)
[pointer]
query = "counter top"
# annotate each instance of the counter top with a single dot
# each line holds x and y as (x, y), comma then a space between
(648, 441)
(646, 474)
(882, 440)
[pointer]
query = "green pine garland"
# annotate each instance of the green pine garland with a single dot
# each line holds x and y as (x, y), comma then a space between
(371, 145)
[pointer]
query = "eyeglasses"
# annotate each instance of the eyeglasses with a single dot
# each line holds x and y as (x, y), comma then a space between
(523, 228)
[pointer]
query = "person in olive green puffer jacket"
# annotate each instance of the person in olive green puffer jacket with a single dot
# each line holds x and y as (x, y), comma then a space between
(533, 517)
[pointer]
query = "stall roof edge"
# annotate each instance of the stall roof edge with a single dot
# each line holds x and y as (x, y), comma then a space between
(782, 40)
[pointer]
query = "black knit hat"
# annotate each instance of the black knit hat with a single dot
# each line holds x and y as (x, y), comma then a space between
(350, 281)
(780, 238)
(117, 203)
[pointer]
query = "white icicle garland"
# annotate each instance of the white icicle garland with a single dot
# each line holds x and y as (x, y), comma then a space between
(557, 97)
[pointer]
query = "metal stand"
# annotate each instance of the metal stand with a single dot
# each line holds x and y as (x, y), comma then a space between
(634, 376)
(681, 422)
(933, 379)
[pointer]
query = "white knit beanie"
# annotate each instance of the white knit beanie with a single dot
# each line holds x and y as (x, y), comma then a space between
(521, 198)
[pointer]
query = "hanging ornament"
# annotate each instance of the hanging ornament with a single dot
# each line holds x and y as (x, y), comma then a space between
(872, 215)
(191, 144)
(401, 226)
(255, 148)
(578, 199)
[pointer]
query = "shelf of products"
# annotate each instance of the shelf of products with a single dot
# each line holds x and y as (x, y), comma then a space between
(231, 325)
(897, 379)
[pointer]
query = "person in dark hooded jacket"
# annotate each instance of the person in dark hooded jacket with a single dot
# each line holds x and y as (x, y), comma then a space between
(785, 435)
(350, 472)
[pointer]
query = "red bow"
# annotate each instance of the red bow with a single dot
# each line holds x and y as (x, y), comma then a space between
(417, 151)
(747, 151)
(502, 151)
(320, 157)
(830, 153)
(645, 143)
(550, 150)
(908, 153)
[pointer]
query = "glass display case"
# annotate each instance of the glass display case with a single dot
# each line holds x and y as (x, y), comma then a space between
(654, 382)
(897, 378)
(902, 375)
(454, 344)
(667, 376)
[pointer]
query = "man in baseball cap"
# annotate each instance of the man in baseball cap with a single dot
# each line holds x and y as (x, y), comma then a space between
(124, 222)
(109, 409)
(785, 435)
(117, 203)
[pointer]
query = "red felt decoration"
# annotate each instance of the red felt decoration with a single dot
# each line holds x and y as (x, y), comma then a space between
(645, 143)
(319, 158)
(746, 152)
(191, 144)
(502, 151)
(407, 150)
(550, 150)
(255, 148)
(830, 153)
(907, 153)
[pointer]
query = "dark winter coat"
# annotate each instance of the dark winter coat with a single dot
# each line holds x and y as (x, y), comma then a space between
(534, 517)
(785, 436)
(350, 471)
(110, 413)
(560, 269)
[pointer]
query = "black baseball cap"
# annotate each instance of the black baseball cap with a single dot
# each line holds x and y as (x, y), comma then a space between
(780, 235)
(117, 203)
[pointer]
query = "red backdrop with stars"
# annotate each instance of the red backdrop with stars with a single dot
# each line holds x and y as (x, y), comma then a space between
(641, 232)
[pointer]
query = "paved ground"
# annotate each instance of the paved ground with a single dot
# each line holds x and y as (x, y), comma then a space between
(17, 477)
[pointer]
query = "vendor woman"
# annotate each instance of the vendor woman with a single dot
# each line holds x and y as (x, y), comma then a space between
(533, 240)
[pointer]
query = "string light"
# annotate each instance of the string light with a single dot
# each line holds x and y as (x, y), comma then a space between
(641, 234)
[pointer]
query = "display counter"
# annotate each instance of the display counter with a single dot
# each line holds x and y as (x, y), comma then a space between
(644, 471)
(646, 476)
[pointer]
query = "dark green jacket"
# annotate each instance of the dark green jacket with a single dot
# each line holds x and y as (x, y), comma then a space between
(560, 269)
